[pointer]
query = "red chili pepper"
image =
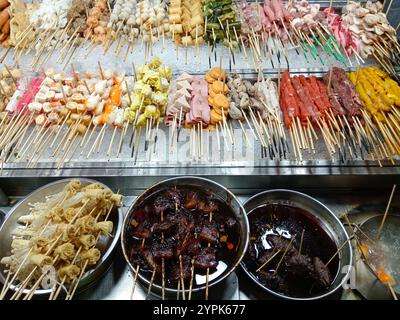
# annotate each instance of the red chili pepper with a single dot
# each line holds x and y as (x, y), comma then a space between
(230, 245)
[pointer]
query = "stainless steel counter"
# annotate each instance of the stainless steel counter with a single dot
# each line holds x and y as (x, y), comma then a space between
(340, 185)
(360, 202)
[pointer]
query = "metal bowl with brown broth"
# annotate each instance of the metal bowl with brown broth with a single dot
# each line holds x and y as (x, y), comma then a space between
(293, 244)
(185, 232)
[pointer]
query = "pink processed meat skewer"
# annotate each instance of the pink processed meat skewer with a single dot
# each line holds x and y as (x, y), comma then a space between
(268, 11)
(179, 104)
(277, 8)
(342, 34)
(30, 93)
(24, 95)
(199, 109)
(266, 24)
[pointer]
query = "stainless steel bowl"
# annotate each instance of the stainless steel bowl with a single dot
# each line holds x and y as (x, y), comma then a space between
(105, 244)
(207, 186)
(367, 282)
(326, 219)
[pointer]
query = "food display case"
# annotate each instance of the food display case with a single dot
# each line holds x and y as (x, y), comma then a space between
(352, 179)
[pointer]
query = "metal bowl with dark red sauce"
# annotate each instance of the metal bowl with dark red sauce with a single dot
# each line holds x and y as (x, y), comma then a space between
(184, 234)
(293, 248)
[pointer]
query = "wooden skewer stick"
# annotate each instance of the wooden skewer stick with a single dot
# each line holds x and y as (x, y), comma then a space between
(151, 283)
(301, 133)
(136, 272)
(102, 137)
(17, 294)
(70, 136)
(75, 47)
(21, 139)
(155, 136)
(70, 144)
(181, 277)
(10, 125)
(208, 269)
(15, 128)
(101, 70)
(38, 135)
(22, 36)
(268, 260)
(5, 123)
(119, 45)
(95, 141)
(39, 146)
(64, 51)
(58, 132)
(337, 252)
(111, 142)
(90, 47)
(12, 130)
(32, 290)
(191, 280)
(293, 128)
(293, 143)
(41, 149)
(122, 138)
(58, 42)
(26, 145)
(284, 254)
(86, 133)
(386, 212)
(389, 6)
(88, 139)
(310, 138)
(244, 133)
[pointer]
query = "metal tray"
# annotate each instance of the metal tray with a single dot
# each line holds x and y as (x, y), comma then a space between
(225, 162)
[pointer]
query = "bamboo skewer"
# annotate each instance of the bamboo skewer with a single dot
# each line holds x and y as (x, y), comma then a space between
(14, 119)
(208, 269)
(191, 280)
(68, 148)
(337, 252)
(151, 283)
(22, 136)
(96, 141)
(89, 138)
(268, 260)
(284, 254)
(122, 138)
(386, 212)
(111, 142)
(136, 273)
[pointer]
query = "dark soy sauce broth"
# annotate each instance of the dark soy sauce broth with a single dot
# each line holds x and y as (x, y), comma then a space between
(272, 221)
(225, 256)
